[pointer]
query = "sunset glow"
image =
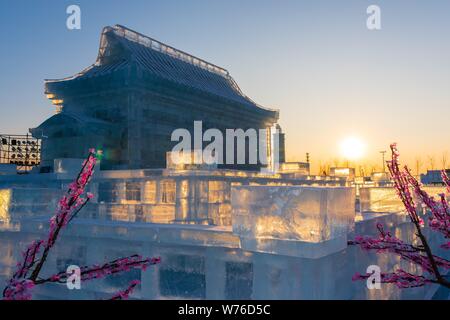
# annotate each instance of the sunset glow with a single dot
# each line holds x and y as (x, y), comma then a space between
(352, 148)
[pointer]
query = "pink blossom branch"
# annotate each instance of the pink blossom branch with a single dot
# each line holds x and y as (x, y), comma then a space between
(389, 244)
(19, 286)
(18, 289)
(422, 254)
(445, 179)
(400, 278)
(29, 259)
(401, 180)
(101, 271)
(440, 220)
(124, 294)
(401, 186)
(68, 207)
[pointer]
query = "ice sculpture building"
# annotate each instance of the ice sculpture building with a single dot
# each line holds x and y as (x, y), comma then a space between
(134, 96)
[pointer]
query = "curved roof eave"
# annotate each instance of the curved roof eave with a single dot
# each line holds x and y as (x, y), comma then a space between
(69, 119)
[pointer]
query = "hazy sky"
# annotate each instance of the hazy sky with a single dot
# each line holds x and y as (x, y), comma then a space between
(314, 60)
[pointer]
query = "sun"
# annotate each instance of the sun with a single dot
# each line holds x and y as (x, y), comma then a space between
(352, 148)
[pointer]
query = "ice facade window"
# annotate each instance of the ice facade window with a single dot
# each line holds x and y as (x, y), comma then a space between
(63, 263)
(183, 276)
(133, 191)
(108, 192)
(70, 255)
(239, 280)
(168, 191)
(218, 192)
(122, 279)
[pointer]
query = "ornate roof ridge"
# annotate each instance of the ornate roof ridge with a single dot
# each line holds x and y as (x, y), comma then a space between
(159, 46)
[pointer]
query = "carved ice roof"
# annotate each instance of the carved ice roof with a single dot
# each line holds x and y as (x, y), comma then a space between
(120, 45)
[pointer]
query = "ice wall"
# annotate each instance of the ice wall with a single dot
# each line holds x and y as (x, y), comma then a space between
(19, 203)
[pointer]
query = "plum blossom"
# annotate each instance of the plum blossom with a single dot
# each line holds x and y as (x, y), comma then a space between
(421, 255)
(124, 294)
(106, 269)
(27, 275)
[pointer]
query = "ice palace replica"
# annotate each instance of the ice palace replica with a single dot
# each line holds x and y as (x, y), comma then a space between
(223, 232)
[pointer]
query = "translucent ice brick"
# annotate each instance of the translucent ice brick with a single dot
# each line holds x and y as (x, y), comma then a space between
(311, 214)
(385, 199)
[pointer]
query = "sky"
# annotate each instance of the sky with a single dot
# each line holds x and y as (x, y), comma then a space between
(316, 61)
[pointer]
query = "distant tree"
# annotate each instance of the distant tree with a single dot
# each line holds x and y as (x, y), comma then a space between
(374, 168)
(431, 162)
(28, 273)
(327, 168)
(438, 217)
(336, 162)
(444, 160)
(418, 164)
(367, 168)
(321, 168)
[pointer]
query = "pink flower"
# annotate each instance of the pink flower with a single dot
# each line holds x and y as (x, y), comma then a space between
(419, 254)
(20, 285)
(357, 276)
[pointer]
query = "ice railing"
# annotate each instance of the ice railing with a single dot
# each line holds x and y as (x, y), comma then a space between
(161, 47)
(166, 49)
(225, 173)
